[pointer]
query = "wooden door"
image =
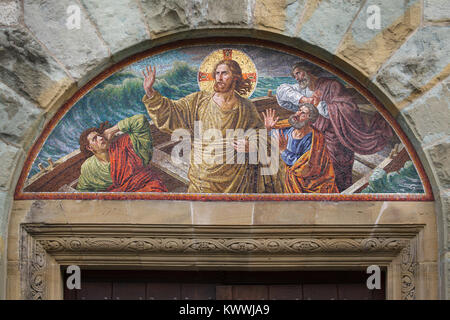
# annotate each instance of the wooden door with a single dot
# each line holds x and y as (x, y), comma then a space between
(224, 285)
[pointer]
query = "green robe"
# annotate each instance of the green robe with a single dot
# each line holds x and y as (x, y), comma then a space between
(96, 175)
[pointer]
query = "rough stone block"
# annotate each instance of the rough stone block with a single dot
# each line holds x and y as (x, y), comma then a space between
(230, 13)
(121, 23)
(445, 209)
(419, 60)
(429, 116)
(165, 16)
(3, 271)
(5, 204)
(436, 10)
(10, 12)
(10, 156)
(18, 117)
(439, 156)
(176, 15)
(294, 11)
(368, 47)
(447, 272)
(82, 51)
(329, 22)
(27, 69)
(271, 14)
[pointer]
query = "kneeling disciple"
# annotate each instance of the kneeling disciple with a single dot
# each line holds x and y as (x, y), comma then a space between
(308, 167)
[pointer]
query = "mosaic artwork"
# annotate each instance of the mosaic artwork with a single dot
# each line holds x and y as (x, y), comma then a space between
(222, 119)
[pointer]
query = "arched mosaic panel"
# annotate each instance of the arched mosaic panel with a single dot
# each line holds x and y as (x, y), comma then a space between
(223, 121)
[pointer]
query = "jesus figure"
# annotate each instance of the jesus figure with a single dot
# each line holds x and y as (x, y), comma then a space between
(221, 110)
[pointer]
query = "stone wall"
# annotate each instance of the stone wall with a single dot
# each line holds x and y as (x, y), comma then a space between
(405, 64)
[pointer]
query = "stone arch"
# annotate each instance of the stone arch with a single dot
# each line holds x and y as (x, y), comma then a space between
(42, 67)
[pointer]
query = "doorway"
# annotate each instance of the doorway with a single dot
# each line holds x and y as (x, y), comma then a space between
(224, 285)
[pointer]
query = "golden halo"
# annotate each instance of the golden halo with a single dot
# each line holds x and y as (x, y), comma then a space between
(205, 77)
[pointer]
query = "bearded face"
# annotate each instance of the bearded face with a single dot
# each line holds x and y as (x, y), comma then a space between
(302, 78)
(297, 124)
(304, 83)
(222, 87)
(224, 79)
(300, 118)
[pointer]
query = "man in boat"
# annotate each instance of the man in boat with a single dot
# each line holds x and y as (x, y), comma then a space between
(119, 163)
(339, 120)
(221, 110)
(308, 167)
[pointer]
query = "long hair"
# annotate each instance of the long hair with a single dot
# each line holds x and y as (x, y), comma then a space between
(300, 66)
(84, 142)
(308, 68)
(242, 86)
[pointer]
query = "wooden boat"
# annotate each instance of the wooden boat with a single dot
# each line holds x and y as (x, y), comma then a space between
(62, 175)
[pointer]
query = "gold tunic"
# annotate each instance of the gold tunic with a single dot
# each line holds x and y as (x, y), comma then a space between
(213, 173)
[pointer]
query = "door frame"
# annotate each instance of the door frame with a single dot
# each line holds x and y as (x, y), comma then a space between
(46, 248)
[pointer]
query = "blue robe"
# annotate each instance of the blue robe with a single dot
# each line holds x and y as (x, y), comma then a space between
(295, 147)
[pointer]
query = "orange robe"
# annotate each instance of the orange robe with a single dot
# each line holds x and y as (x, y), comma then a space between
(313, 172)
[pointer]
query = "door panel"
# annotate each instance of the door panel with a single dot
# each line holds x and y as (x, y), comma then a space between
(352, 291)
(128, 291)
(320, 291)
(250, 292)
(224, 285)
(95, 291)
(198, 291)
(224, 292)
(285, 292)
(163, 291)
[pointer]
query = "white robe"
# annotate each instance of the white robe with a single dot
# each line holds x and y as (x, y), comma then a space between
(289, 95)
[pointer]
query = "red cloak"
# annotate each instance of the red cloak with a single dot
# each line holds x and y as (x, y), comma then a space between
(128, 172)
(346, 132)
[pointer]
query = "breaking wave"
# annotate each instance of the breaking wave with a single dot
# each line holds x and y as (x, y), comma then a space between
(406, 180)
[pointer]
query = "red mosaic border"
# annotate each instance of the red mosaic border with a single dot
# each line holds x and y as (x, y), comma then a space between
(221, 197)
(19, 195)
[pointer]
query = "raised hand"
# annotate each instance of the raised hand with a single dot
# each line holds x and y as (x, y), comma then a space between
(306, 100)
(282, 140)
(149, 80)
(109, 133)
(269, 119)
